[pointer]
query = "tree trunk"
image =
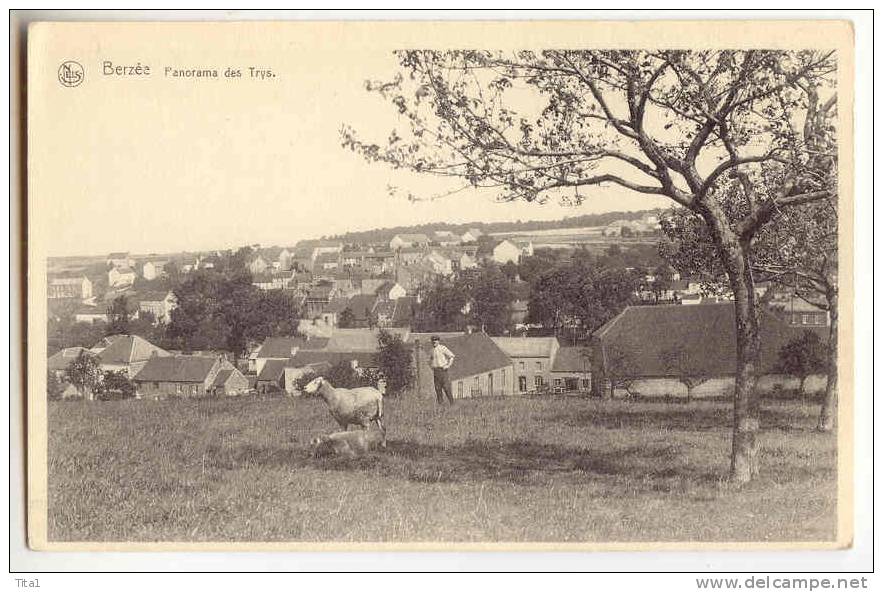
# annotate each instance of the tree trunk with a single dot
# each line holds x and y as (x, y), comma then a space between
(736, 257)
(829, 403)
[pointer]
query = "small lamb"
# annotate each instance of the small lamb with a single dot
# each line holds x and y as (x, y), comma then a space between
(349, 444)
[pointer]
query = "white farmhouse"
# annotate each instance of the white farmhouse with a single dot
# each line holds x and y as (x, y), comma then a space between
(511, 251)
(119, 277)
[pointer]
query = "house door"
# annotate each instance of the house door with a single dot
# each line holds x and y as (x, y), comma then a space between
(490, 384)
(522, 384)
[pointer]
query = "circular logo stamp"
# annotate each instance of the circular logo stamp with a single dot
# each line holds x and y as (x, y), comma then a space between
(71, 73)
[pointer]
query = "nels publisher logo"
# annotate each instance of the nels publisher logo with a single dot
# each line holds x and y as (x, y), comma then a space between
(70, 73)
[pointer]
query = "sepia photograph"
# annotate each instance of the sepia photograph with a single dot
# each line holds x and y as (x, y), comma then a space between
(463, 285)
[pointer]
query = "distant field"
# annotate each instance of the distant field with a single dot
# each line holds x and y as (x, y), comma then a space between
(562, 237)
(555, 232)
(517, 469)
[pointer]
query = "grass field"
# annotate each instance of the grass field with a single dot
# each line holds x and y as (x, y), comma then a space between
(508, 470)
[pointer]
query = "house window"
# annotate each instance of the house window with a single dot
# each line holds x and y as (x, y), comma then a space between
(521, 366)
(459, 389)
(538, 382)
(179, 389)
(522, 384)
(156, 386)
(559, 381)
(539, 366)
(586, 384)
(194, 389)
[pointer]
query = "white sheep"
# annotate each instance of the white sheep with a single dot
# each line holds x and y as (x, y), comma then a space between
(357, 406)
(349, 444)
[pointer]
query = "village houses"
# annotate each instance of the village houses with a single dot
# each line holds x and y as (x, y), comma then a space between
(120, 260)
(70, 287)
(188, 376)
(532, 359)
(416, 240)
(160, 304)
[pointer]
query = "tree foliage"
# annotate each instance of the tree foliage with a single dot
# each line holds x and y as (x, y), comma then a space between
(54, 386)
(223, 310)
(482, 299)
(803, 356)
(394, 362)
(580, 294)
(115, 386)
(85, 374)
(119, 313)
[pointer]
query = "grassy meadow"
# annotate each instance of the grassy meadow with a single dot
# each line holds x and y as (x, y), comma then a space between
(488, 470)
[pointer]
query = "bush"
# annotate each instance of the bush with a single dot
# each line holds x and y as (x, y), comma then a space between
(54, 387)
(115, 386)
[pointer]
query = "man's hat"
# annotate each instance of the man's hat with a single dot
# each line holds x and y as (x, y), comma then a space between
(434, 338)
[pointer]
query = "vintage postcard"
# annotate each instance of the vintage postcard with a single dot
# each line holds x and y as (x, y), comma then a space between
(440, 285)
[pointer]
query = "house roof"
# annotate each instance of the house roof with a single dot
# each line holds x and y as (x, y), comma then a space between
(386, 308)
(385, 287)
(526, 347)
(316, 359)
(404, 310)
(361, 305)
(320, 292)
(125, 349)
(280, 347)
(120, 255)
(154, 296)
(222, 376)
(122, 270)
(176, 369)
(62, 359)
(702, 336)
(272, 370)
(336, 305)
(572, 359)
(356, 340)
(474, 353)
(68, 281)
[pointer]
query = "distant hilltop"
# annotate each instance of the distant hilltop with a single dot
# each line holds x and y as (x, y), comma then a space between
(383, 235)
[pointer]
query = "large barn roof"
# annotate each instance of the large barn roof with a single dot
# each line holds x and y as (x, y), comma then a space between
(526, 347)
(280, 347)
(654, 340)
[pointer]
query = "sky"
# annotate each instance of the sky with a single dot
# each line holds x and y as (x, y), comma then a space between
(161, 164)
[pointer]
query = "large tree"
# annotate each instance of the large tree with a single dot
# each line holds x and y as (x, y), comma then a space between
(85, 374)
(662, 123)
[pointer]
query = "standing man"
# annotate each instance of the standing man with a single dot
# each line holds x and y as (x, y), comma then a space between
(440, 360)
